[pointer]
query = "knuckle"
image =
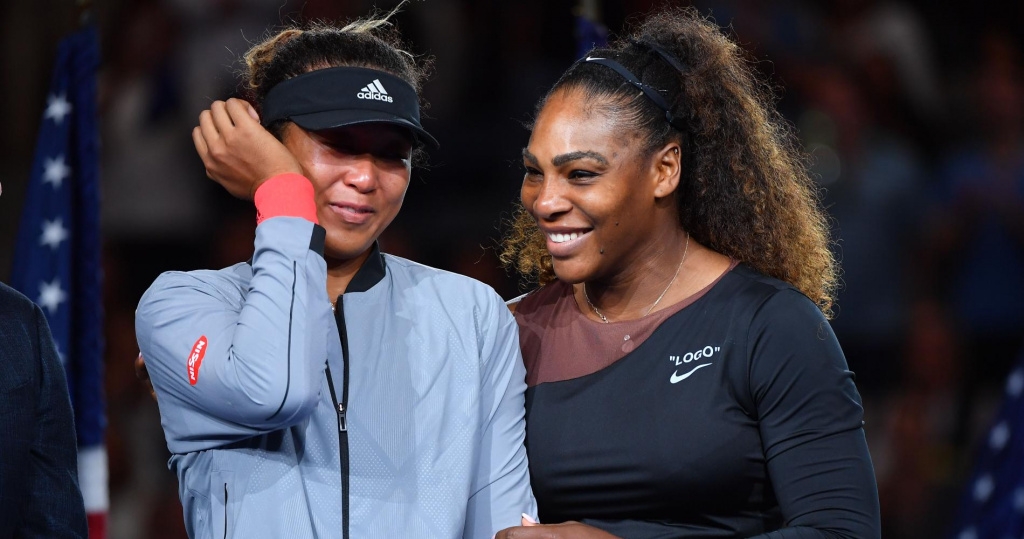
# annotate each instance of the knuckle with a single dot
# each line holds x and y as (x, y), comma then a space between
(218, 151)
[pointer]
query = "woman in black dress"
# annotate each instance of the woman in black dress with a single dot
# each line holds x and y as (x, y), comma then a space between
(683, 378)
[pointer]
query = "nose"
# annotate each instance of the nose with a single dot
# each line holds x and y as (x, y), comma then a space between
(362, 173)
(548, 198)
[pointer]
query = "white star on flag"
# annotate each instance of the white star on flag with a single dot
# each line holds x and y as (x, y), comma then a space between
(57, 107)
(51, 295)
(53, 233)
(55, 170)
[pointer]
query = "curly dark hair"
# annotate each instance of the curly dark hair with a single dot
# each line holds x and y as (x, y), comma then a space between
(370, 42)
(744, 190)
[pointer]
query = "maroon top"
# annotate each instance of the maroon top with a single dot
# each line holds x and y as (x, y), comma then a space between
(552, 311)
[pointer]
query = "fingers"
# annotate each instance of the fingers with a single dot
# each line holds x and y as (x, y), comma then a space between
(203, 136)
(520, 532)
(215, 128)
(199, 141)
(241, 112)
(215, 123)
(221, 119)
(238, 153)
(208, 130)
(564, 530)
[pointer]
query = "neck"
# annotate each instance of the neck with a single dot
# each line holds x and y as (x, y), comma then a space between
(630, 292)
(341, 271)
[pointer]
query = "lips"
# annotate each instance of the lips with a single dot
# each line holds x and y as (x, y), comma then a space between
(565, 242)
(352, 213)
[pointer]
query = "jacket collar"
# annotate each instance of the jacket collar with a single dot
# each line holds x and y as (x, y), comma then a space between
(370, 273)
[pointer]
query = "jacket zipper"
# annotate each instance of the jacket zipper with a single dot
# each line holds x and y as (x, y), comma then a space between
(342, 410)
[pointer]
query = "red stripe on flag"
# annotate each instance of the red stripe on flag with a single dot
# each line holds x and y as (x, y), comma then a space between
(97, 525)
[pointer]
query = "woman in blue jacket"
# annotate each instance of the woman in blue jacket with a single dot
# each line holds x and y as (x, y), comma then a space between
(324, 389)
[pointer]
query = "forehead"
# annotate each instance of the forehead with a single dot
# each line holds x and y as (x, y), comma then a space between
(572, 121)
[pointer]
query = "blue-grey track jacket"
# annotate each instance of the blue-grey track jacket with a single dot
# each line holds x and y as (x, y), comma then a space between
(269, 439)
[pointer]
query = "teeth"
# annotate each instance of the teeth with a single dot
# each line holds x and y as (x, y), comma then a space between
(562, 238)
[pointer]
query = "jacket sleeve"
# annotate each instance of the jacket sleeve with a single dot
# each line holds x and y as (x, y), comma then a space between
(501, 487)
(811, 423)
(228, 363)
(54, 506)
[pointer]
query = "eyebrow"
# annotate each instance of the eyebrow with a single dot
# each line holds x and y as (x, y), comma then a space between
(564, 158)
(530, 157)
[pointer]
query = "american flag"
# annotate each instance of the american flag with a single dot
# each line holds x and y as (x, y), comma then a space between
(992, 506)
(57, 256)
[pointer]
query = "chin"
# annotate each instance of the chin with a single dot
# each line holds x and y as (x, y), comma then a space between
(570, 272)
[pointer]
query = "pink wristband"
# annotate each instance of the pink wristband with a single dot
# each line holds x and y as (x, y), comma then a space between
(285, 195)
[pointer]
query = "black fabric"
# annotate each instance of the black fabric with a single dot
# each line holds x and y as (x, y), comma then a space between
(39, 493)
(370, 273)
(316, 240)
(342, 96)
(737, 417)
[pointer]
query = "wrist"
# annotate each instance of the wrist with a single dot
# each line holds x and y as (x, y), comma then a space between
(285, 195)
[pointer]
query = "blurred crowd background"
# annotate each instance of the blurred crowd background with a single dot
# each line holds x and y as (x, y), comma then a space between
(912, 114)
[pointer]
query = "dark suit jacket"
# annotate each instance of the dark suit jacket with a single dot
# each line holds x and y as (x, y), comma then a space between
(39, 493)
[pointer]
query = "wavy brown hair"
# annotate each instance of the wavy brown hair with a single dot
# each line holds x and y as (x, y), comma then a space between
(745, 190)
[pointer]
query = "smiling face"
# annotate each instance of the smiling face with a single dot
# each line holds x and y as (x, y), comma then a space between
(360, 175)
(601, 200)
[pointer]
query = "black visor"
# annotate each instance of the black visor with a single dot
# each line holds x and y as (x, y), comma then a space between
(342, 96)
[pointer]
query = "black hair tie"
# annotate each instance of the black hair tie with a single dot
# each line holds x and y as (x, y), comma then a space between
(650, 92)
(664, 54)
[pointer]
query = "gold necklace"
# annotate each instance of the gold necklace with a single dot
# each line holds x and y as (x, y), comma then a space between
(663, 292)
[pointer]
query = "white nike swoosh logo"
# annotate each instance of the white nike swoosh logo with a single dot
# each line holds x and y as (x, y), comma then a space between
(675, 379)
(589, 58)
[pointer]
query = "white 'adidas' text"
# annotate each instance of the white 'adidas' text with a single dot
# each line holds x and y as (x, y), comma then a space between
(375, 91)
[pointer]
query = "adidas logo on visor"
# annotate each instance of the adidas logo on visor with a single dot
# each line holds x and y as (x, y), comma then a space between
(374, 90)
